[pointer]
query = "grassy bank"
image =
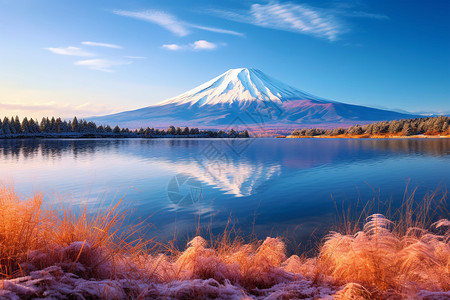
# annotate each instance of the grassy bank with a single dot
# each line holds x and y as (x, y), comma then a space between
(45, 253)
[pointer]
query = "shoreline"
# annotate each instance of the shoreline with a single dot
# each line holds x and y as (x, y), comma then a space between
(367, 136)
(123, 137)
(112, 136)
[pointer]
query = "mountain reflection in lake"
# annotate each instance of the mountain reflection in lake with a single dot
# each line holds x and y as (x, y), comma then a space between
(268, 186)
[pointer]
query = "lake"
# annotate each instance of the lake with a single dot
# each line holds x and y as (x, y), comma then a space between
(288, 187)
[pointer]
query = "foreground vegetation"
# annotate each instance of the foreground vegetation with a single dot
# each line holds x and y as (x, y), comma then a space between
(408, 127)
(58, 128)
(77, 255)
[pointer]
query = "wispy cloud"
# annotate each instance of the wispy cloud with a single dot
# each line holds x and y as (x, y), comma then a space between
(165, 20)
(136, 57)
(101, 64)
(197, 46)
(299, 18)
(171, 22)
(218, 30)
(362, 14)
(106, 45)
(72, 51)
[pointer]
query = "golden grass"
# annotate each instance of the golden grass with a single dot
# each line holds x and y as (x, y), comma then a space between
(382, 260)
(378, 260)
(34, 238)
(22, 228)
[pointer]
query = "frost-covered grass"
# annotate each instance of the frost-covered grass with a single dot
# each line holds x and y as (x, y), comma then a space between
(47, 254)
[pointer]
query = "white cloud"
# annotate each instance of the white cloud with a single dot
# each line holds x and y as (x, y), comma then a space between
(195, 46)
(171, 22)
(160, 18)
(73, 51)
(101, 45)
(101, 64)
(172, 47)
(202, 44)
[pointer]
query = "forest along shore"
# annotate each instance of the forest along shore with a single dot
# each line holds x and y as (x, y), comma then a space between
(431, 127)
(14, 128)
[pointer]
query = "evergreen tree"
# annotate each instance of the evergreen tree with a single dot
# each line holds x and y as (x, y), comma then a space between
(33, 126)
(17, 125)
(338, 131)
(12, 126)
(445, 127)
(83, 126)
(52, 125)
(407, 130)
(75, 125)
(42, 124)
(25, 125)
(91, 127)
(171, 130)
(6, 126)
(58, 125)
(355, 130)
(116, 129)
(395, 126)
(45, 125)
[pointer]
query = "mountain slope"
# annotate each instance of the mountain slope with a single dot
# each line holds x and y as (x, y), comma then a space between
(253, 98)
(240, 86)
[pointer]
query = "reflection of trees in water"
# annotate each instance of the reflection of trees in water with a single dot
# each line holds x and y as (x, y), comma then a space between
(183, 143)
(54, 149)
(307, 150)
(434, 147)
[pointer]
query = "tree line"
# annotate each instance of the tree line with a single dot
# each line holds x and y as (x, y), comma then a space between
(57, 127)
(405, 127)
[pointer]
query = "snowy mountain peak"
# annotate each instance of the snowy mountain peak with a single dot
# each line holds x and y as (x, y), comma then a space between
(241, 86)
(231, 95)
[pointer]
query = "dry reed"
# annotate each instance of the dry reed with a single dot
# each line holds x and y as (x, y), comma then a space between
(383, 259)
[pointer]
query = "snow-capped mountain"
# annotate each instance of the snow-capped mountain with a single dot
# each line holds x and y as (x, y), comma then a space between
(246, 96)
(240, 86)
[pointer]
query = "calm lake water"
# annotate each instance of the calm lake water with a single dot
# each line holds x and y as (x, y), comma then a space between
(288, 187)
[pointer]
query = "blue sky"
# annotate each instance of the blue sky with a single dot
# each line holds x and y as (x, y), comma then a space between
(96, 57)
